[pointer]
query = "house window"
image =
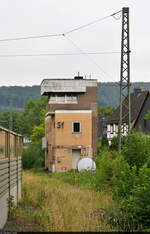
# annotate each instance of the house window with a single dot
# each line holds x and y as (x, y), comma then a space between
(58, 159)
(76, 127)
(116, 129)
(62, 98)
(111, 128)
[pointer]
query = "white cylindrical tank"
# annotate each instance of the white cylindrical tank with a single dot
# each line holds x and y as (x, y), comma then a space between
(86, 164)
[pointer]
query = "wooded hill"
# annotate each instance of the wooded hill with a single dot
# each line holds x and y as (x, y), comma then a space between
(15, 97)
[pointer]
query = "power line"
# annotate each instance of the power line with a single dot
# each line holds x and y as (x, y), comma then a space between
(93, 22)
(64, 35)
(59, 54)
(82, 52)
(59, 34)
(30, 37)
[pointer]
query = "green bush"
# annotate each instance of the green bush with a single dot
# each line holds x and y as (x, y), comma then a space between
(138, 203)
(33, 156)
(136, 149)
(99, 147)
(128, 177)
(115, 142)
(134, 200)
(102, 147)
(123, 184)
(108, 167)
(105, 141)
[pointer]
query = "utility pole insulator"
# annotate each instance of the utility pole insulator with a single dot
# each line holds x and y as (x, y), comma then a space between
(125, 104)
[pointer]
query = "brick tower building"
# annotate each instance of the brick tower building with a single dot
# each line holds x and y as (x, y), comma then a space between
(70, 123)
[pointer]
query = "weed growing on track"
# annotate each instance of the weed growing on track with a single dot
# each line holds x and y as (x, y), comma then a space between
(54, 205)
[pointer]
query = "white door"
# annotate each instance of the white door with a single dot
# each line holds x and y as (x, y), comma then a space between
(76, 155)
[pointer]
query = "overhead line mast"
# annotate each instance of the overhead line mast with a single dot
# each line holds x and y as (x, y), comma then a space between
(125, 104)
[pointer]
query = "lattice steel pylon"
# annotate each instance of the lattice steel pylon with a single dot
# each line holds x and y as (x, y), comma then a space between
(125, 104)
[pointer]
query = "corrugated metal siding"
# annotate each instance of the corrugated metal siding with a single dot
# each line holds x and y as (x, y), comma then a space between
(10, 172)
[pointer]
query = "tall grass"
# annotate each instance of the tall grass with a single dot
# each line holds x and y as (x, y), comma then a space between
(57, 206)
(84, 179)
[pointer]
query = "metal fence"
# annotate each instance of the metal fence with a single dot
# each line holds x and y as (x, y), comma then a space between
(10, 170)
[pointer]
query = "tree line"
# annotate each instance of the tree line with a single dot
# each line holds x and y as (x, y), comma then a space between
(15, 97)
(30, 124)
(24, 122)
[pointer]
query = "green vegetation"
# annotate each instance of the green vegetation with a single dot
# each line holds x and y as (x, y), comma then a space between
(24, 122)
(116, 195)
(34, 128)
(84, 179)
(105, 111)
(136, 149)
(16, 120)
(120, 186)
(32, 116)
(147, 116)
(104, 142)
(108, 95)
(126, 176)
(17, 96)
(115, 142)
(49, 204)
(32, 157)
(30, 124)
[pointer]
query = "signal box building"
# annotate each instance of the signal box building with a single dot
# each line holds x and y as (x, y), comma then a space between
(70, 122)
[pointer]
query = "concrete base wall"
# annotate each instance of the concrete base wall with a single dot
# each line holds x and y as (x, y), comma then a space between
(3, 210)
(13, 192)
(4, 203)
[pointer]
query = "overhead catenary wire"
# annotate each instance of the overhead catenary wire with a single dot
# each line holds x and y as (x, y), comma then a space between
(83, 53)
(30, 37)
(93, 22)
(64, 35)
(59, 54)
(59, 34)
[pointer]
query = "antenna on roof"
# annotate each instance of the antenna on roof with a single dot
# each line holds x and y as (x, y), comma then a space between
(78, 77)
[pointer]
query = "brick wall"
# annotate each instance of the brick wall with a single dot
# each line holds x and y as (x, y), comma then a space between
(59, 138)
(86, 101)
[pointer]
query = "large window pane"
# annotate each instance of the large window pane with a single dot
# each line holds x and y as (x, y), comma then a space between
(71, 98)
(61, 98)
(52, 98)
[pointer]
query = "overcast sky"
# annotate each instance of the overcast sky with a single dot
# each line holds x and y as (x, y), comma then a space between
(21, 18)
